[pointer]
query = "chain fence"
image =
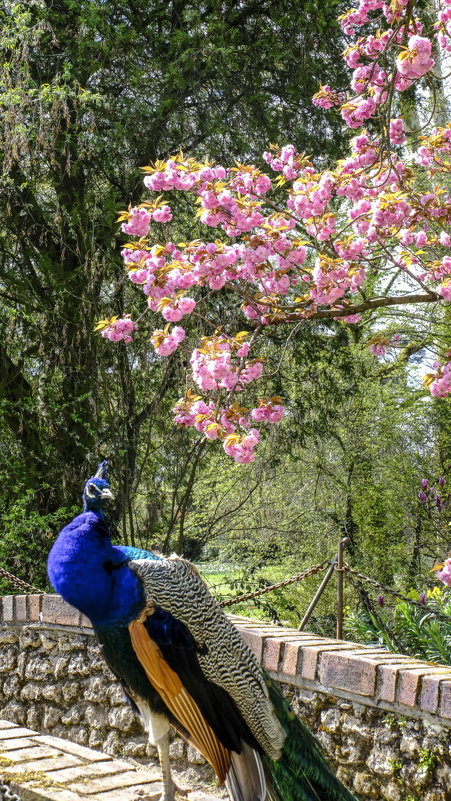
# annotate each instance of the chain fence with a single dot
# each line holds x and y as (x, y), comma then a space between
(19, 583)
(349, 572)
(247, 596)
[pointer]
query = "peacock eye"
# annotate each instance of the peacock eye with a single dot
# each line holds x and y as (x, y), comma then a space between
(92, 489)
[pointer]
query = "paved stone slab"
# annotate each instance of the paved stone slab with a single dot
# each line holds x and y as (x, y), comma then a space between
(27, 754)
(6, 734)
(6, 724)
(44, 766)
(81, 751)
(83, 770)
(125, 794)
(31, 793)
(123, 781)
(41, 767)
(198, 796)
(16, 742)
(128, 779)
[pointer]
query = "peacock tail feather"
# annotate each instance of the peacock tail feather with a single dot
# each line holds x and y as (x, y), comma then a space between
(301, 774)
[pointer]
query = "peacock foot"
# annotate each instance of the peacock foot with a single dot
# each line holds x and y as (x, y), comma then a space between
(168, 794)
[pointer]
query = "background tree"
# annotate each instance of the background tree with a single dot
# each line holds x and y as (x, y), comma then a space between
(90, 91)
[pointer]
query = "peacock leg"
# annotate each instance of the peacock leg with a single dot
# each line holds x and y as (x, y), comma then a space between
(169, 786)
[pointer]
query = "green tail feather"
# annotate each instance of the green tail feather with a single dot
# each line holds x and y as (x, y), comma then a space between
(301, 774)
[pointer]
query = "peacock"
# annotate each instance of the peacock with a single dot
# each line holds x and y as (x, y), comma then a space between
(181, 662)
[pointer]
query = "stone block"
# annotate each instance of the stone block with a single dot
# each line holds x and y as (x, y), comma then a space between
(194, 757)
(129, 778)
(35, 752)
(45, 766)
(380, 761)
(13, 743)
(56, 610)
(347, 671)
(134, 748)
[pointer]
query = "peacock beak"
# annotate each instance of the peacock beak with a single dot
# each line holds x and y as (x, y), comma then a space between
(107, 495)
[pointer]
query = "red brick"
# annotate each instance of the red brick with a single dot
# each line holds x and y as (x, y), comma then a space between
(8, 608)
(34, 608)
(388, 675)
(291, 658)
(411, 682)
(311, 655)
(272, 647)
(347, 671)
(445, 705)
(255, 642)
(409, 685)
(55, 610)
(429, 695)
(21, 608)
(274, 650)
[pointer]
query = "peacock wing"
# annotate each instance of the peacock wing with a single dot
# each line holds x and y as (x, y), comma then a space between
(200, 647)
(177, 698)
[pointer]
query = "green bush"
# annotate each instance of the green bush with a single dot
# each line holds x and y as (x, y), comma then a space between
(405, 628)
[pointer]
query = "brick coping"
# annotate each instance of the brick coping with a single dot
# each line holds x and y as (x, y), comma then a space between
(366, 675)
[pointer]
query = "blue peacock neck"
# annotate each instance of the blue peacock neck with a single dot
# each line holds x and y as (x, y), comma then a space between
(92, 575)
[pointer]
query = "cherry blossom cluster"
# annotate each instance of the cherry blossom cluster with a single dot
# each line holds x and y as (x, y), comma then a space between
(233, 426)
(139, 218)
(166, 341)
(326, 251)
(327, 97)
(219, 363)
(391, 53)
(117, 328)
(439, 383)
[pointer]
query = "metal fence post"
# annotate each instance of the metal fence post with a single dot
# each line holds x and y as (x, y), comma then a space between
(318, 594)
(340, 584)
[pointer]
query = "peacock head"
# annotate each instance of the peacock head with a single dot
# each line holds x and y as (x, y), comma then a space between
(96, 492)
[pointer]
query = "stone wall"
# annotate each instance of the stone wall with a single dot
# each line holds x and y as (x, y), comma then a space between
(384, 720)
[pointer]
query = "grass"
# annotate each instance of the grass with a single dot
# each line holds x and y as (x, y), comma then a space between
(287, 605)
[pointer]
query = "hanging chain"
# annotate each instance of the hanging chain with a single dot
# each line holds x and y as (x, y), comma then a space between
(6, 793)
(379, 586)
(17, 582)
(298, 577)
